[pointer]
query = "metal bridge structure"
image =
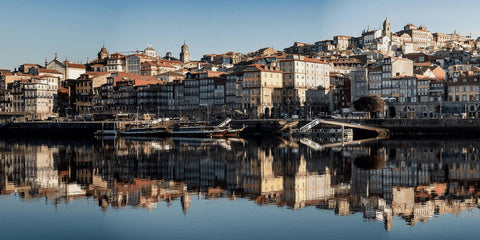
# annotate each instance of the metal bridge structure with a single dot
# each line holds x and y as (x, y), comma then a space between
(382, 132)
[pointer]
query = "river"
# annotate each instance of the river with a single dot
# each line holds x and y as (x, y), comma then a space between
(238, 189)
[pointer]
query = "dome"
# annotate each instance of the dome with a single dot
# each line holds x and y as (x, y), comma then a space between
(150, 51)
(149, 47)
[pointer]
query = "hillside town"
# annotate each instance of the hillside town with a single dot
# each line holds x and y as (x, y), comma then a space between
(417, 72)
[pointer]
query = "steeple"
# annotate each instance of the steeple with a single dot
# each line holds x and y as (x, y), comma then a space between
(387, 31)
(184, 54)
(103, 53)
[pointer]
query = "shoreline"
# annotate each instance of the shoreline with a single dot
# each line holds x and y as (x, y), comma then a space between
(262, 127)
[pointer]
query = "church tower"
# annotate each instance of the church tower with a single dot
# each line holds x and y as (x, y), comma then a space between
(185, 54)
(103, 53)
(387, 31)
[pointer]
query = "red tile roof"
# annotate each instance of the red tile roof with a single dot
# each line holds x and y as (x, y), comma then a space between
(76, 65)
(117, 55)
(53, 71)
(263, 68)
(47, 75)
(139, 80)
(94, 74)
(306, 59)
(422, 64)
(62, 90)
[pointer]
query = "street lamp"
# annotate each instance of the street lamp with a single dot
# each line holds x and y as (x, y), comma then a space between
(309, 108)
(288, 107)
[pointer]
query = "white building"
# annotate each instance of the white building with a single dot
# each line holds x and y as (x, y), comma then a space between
(305, 79)
(67, 69)
(36, 96)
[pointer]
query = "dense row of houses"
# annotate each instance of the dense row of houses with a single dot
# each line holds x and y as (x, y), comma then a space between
(305, 79)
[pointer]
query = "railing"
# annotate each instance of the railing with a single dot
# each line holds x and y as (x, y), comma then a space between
(309, 125)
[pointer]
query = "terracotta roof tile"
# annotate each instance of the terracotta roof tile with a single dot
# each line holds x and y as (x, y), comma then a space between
(263, 68)
(43, 70)
(76, 65)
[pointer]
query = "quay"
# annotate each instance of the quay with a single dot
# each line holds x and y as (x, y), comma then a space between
(453, 127)
(366, 128)
(52, 128)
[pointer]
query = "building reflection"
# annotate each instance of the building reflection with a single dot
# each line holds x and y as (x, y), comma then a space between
(412, 180)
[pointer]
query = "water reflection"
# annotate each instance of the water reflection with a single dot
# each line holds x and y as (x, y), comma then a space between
(414, 180)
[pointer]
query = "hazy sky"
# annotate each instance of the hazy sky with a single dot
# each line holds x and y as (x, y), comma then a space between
(33, 30)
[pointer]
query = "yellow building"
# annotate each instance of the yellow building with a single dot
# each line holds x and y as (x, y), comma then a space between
(262, 90)
(260, 178)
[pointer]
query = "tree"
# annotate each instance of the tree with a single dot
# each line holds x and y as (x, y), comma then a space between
(371, 103)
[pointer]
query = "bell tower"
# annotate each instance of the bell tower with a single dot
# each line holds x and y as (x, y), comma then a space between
(184, 54)
(387, 31)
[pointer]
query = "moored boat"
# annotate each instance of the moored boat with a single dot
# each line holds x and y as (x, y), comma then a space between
(199, 131)
(145, 131)
(106, 132)
(234, 132)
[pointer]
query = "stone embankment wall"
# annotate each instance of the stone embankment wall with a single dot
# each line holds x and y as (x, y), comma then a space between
(50, 129)
(410, 127)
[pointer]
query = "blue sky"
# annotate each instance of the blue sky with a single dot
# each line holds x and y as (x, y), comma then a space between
(33, 30)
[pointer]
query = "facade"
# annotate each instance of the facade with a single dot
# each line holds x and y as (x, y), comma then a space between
(300, 48)
(204, 92)
(341, 42)
(156, 67)
(36, 97)
(305, 81)
(82, 90)
(135, 61)
(127, 93)
(65, 69)
(420, 35)
(374, 81)
(116, 62)
(234, 92)
(354, 68)
(464, 88)
(342, 95)
(170, 76)
(261, 90)
(394, 67)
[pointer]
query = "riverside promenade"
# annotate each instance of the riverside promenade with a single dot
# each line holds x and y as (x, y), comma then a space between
(265, 127)
(423, 127)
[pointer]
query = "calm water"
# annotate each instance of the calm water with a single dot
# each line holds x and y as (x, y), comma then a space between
(238, 189)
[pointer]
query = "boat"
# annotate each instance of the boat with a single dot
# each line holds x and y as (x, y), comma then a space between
(199, 131)
(234, 132)
(218, 131)
(107, 132)
(145, 131)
